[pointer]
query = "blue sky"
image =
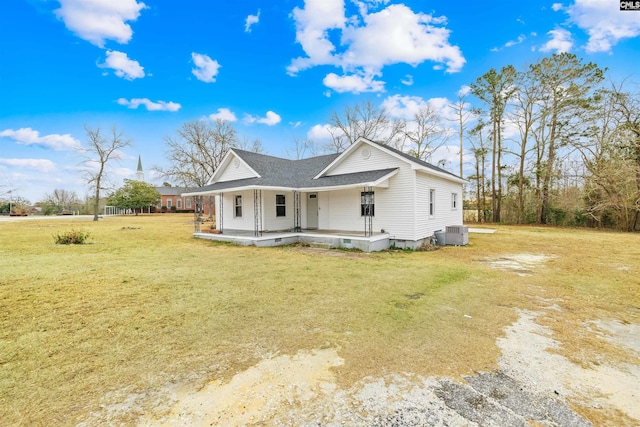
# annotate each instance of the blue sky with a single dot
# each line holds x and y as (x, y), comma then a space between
(277, 69)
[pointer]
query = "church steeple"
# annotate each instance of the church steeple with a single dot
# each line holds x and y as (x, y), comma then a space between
(139, 172)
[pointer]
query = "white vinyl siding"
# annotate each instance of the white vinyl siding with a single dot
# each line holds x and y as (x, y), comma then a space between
(394, 207)
(235, 169)
(271, 221)
(356, 162)
(401, 209)
(230, 221)
(427, 224)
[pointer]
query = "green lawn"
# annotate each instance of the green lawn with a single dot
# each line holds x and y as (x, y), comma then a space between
(143, 304)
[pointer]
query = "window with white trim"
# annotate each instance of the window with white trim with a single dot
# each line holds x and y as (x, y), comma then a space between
(367, 203)
(281, 207)
(169, 203)
(187, 203)
(432, 202)
(179, 204)
(454, 200)
(237, 206)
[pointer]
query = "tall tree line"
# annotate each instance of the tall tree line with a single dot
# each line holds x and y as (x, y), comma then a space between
(565, 143)
(550, 143)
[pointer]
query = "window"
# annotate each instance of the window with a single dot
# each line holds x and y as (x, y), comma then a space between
(179, 204)
(367, 204)
(159, 203)
(169, 203)
(432, 202)
(454, 200)
(237, 205)
(187, 203)
(281, 208)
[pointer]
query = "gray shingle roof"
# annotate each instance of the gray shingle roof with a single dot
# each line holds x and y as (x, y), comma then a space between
(304, 182)
(285, 173)
(419, 161)
(172, 191)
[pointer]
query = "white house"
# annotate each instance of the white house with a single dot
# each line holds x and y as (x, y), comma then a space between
(370, 196)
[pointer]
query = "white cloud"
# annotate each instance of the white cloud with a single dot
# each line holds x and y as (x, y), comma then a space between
(206, 68)
(270, 119)
(150, 105)
(251, 20)
(99, 20)
(28, 136)
(406, 107)
(561, 41)
(403, 107)
(223, 114)
(398, 35)
(354, 83)
(312, 26)
(41, 165)
(369, 42)
(604, 23)
(408, 80)
(124, 67)
(321, 133)
(464, 91)
(556, 7)
(519, 40)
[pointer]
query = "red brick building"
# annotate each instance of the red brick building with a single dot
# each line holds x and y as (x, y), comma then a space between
(172, 196)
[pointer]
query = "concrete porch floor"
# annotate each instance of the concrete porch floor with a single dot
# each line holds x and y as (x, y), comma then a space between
(324, 238)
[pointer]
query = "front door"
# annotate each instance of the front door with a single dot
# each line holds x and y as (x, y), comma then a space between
(312, 210)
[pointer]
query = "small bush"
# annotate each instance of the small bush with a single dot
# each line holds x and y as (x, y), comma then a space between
(73, 237)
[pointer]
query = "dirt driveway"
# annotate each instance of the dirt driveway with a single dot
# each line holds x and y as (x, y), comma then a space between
(533, 386)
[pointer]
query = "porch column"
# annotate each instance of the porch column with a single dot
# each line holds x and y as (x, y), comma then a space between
(297, 212)
(196, 213)
(257, 212)
(221, 208)
(368, 201)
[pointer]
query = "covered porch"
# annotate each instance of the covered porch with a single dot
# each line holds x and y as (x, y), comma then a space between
(319, 238)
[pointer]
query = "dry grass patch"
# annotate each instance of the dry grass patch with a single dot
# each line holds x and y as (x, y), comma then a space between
(143, 305)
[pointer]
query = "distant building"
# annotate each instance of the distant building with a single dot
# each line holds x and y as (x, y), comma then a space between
(172, 196)
(139, 172)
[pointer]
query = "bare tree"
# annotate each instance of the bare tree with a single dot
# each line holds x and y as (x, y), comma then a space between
(463, 114)
(480, 151)
(255, 146)
(628, 108)
(566, 85)
(61, 199)
(494, 89)
(425, 133)
(362, 120)
(196, 151)
(524, 114)
(101, 149)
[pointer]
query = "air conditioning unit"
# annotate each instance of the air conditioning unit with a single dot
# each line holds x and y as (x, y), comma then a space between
(457, 235)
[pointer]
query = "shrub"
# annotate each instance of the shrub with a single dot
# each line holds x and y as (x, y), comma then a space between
(73, 237)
